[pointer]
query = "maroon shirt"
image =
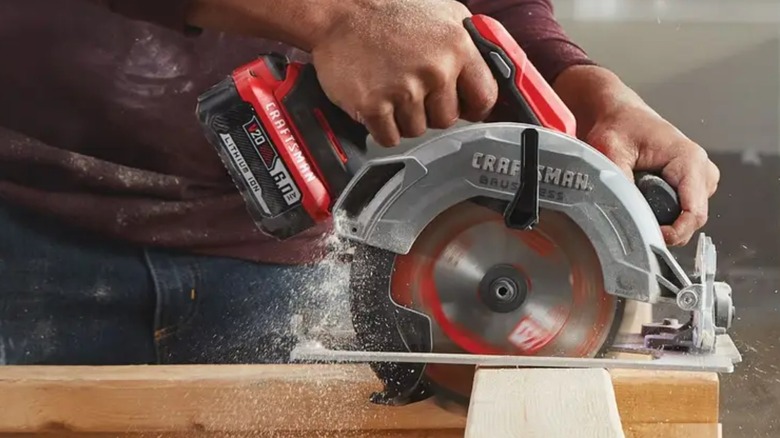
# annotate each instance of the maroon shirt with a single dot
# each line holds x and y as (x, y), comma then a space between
(97, 122)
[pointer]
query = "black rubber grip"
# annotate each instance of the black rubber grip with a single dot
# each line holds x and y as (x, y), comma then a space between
(660, 195)
(510, 98)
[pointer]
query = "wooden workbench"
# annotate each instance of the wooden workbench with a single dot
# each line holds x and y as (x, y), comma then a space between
(295, 401)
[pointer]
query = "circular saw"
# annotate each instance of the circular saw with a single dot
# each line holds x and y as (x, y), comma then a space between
(510, 243)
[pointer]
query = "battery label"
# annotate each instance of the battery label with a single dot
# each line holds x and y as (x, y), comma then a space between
(276, 168)
(240, 163)
(286, 185)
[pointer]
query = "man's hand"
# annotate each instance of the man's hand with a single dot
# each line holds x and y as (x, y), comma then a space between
(397, 66)
(401, 67)
(615, 120)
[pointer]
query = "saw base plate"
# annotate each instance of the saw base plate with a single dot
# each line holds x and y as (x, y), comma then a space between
(721, 360)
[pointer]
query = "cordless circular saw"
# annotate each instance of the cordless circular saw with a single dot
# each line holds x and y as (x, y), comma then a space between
(510, 243)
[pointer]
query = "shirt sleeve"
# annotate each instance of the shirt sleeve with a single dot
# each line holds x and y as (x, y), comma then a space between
(168, 13)
(533, 25)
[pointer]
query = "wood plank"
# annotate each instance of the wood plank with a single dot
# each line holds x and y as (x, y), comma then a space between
(640, 430)
(196, 399)
(508, 403)
(444, 433)
(673, 430)
(204, 398)
(666, 396)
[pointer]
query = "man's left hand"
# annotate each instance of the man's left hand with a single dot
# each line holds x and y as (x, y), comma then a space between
(616, 121)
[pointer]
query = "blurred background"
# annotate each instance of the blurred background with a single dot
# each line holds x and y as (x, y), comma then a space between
(712, 67)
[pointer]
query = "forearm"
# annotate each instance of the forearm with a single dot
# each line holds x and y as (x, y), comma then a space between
(295, 22)
(591, 92)
(299, 23)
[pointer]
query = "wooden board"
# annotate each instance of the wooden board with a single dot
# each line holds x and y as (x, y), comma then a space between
(509, 403)
(282, 400)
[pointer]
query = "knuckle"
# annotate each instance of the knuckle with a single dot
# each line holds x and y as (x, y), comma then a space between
(460, 40)
(482, 102)
(698, 153)
(491, 93)
(608, 142)
(460, 9)
(405, 95)
(437, 76)
(376, 111)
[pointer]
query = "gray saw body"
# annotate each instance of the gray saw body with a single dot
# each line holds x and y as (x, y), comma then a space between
(392, 199)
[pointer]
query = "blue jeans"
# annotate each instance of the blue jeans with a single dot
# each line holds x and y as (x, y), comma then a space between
(69, 298)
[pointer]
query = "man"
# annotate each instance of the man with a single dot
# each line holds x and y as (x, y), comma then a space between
(122, 240)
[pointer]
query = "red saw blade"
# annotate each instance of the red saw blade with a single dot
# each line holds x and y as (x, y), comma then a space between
(489, 289)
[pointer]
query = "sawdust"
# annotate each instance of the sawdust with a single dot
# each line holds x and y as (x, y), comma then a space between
(151, 68)
(323, 311)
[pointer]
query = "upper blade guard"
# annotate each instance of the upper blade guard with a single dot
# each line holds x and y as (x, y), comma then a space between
(391, 200)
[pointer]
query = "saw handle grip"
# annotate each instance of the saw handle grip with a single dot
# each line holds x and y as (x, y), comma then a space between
(661, 197)
(524, 96)
(325, 130)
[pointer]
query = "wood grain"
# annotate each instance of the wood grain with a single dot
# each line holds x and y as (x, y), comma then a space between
(297, 400)
(673, 430)
(444, 433)
(677, 397)
(204, 398)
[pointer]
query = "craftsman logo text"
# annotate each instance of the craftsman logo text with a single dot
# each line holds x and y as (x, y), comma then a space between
(290, 142)
(563, 178)
(500, 165)
(547, 174)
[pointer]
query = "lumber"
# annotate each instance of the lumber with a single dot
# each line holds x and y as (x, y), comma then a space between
(283, 400)
(678, 397)
(534, 402)
(674, 430)
(453, 433)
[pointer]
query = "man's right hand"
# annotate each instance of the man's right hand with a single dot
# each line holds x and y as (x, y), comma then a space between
(400, 67)
(397, 66)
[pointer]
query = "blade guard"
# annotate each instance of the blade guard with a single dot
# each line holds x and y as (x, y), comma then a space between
(391, 200)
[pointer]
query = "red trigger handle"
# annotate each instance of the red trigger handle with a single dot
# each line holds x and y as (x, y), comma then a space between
(522, 89)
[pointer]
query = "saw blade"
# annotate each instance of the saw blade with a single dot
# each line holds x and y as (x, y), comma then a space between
(489, 289)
